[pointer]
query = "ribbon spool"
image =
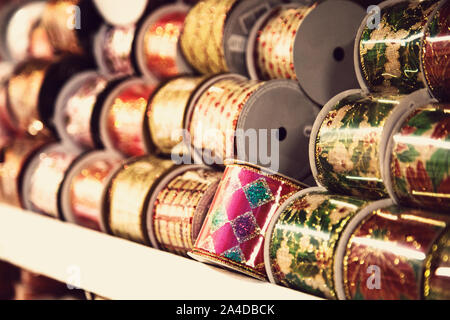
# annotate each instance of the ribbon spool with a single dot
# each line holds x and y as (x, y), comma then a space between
(295, 42)
(33, 89)
(156, 49)
(122, 116)
(387, 57)
(349, 141)
(43, 179)
(7, 123)
(435, 52)
(233, 233)
(303, 236)
(15, 159)
(71, 25)
(216, 32)
(416, 168)
(77, 110)
(22, 33)
(112, 49)
(384, 257)
(437, 281)
(84, 188)
(166, 112)
(228, 109)
(178, 207)
(124, 211)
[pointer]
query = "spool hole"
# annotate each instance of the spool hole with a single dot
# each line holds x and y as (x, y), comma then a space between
(339, 54)
(282, 133)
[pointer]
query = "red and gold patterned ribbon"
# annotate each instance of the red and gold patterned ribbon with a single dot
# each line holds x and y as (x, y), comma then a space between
(181, 207)
(274, 50)
(437, 274)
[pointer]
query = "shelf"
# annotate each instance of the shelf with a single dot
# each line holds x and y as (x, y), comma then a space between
(120, 269)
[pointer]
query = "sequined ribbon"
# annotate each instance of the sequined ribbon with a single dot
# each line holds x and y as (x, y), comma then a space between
(390, 54)
(202, 37)
(347, 147)
(181, 207)
(213, 123)
(437, 275)
(79, 109)
(166, 112)
(420, 170)
(304, 240)
(126, 201)
(274, 50)
(161, 44)
(46, 181)
(115, 49)
(234, 229)
(126, 115)
(86, 191)
(386, 255)
(435, 53)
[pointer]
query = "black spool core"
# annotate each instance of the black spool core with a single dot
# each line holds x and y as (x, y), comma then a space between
(282, 134)
(339, 54)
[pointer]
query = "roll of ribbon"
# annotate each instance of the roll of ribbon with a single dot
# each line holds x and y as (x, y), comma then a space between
(416, 165)
(178, 206)
(156, 48)
(126, 200)
(123, 115)
(349, 141)
(78, 110)
(166, 112)
(215, 34)
(294, 42)
(33, 89)
(43, 179)
(232, 117)
(7, 121)
(71, 25)
(388, 55)
(437, 277)
(22, 33)
(303, 237)
(435, 52)
(234, 230)
(112, 49)
(385, 258)
(83, 189)
(16, 157)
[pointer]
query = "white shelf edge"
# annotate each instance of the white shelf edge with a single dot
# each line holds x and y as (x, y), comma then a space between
(118, 269)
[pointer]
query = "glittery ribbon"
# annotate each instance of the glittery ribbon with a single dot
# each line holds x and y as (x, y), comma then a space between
(126, 200)
(420, 170)
(437, 277)
(180, 209)
(386, 254)
(233, 232)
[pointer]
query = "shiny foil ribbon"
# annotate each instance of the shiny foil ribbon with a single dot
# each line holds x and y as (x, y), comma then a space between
(46, 180)
(113, 49)
(437, 275)
(180, 209)
(24, 88)
(15, 158)
(390, 54)
(419, 165)
(386, 255)
(166, 112)
(345, 146)
(123, 117)
(213, 123)
(125, 206)
(435, 53)
(303, 237)
(202, 37)
(274, 50)
(160, 48)
(86, 184)
(78, 108)
(234, 230)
